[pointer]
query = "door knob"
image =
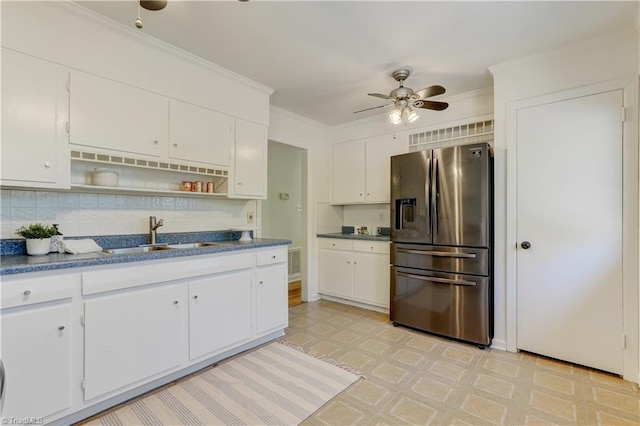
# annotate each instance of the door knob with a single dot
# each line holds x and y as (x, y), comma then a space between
(525, 245)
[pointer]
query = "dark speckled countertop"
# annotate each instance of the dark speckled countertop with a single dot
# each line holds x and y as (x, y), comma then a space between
(381, 238)
(21, 263)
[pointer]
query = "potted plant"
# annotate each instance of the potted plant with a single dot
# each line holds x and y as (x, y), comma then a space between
(38, 238)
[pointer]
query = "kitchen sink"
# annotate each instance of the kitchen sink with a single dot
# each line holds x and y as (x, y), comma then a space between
(193, 245)
(135, 250)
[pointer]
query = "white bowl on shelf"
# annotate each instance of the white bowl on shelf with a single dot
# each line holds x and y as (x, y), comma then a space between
(105, 177)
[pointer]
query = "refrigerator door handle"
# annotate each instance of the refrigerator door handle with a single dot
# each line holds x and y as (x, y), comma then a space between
(438, 280)
(428, 196)
(436, 194)
(439, 253)
(2, 379)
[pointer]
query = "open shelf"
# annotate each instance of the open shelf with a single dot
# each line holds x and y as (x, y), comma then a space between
(137, 176)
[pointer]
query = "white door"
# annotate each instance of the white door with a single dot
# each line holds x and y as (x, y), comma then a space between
(347, 172)
(199, 134)
(250, 161)
(36, 353)
(371, 278)
(378, 167)
(220, 299)
(271, 298)
(569, 208)
(335, 273)
(131, 336)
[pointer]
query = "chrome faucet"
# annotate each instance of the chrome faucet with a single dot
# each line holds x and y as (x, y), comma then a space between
(152, 228)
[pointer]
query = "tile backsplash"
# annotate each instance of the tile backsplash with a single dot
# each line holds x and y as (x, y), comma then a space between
(80, 214)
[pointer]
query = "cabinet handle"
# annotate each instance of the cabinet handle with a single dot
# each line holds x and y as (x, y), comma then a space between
(349, 262)
(61, 327)
(27, 292)
(47, 165)
(175, 145)
(260, 282)
(361, 194)
(155, 142)
(175, 302)
(334, 244)
(273, 257)
(195, 297)
(239, 183)
(368, 193)
(355, 263)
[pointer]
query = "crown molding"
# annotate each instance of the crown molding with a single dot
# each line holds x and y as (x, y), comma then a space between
(122, 29)
(561, 50)
(298, 117)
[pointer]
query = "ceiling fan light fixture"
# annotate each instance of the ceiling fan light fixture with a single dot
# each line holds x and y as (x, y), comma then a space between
(396, 116)
(411, 115)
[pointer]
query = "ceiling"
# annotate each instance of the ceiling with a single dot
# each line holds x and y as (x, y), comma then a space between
(323, 57)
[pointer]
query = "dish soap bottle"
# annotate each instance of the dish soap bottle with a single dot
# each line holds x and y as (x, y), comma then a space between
(53, 247)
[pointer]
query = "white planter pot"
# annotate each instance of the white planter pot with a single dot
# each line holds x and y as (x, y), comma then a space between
(38, 247)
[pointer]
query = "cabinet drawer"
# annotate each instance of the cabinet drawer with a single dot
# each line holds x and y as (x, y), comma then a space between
(271, 256)
(336, 244)
(371, 247)
(36, 290)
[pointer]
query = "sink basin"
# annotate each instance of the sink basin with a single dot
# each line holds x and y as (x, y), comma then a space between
(193, 245)
(134, 250)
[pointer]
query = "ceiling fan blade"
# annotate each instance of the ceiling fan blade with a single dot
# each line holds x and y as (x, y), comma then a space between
(438, 106)
(379, 95)
(368, 109)
(427, 92)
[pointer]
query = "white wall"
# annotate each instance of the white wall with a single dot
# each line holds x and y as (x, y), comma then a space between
(281, 218)
(292, 129)
(609, 57)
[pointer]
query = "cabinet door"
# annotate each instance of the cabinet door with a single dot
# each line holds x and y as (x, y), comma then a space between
(199, 134)
(131, 336)
(271, 298)
(347, 172)
(250, 161)
(371, 278)
(33, 91)
(36, 354)
(335, 273)
(219, 313)
(378, 167)
(117, 117)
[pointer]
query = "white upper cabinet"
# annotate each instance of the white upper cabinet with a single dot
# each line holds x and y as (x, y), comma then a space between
(199, 134)
(361, 170)
(117, 117)
(34, 116)
(347, 173)
(249, 175)
(378, 167)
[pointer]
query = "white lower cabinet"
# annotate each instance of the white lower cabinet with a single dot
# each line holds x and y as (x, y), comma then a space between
(219, 312)
(131, 336)
(145, 324)
(354, 270)
(36, 356)
(271, 298)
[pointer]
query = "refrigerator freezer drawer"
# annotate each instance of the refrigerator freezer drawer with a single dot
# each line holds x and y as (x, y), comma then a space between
(473, 261)
(451, 305)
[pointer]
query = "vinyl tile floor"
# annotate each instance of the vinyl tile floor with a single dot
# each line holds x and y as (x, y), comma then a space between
(416, 378)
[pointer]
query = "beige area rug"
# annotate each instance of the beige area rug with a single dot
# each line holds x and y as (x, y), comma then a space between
(272, 385)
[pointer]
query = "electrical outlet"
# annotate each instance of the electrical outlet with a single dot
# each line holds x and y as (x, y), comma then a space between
(250, 217)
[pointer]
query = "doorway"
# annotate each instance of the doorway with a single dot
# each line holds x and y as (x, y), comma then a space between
(283, 213)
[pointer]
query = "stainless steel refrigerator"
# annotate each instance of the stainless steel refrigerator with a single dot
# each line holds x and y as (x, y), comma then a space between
(442, 238)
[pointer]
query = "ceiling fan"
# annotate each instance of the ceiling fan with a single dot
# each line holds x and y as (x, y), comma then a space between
(149, 5)
(404, 98)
